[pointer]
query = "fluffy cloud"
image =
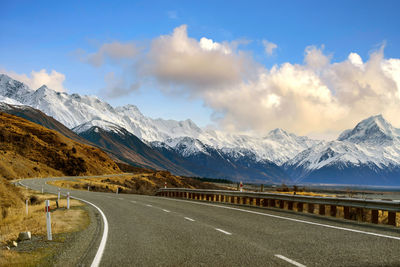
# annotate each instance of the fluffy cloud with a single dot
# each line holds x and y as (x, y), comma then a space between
(178, 60)
(36, 79)
(117, 86)
(114, 52)
(269, 47)
(318, 96)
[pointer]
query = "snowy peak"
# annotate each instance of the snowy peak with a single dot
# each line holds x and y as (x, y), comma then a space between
(97, 123)
(373, 130)
(11, 88)
(277, 134)
(187, 146)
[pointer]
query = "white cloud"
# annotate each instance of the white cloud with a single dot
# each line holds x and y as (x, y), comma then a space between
(114, 52)
(36, 79)
(318, 96)
(269, 47)
(178, 60)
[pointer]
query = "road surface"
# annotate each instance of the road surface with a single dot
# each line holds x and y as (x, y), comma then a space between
(159, 231)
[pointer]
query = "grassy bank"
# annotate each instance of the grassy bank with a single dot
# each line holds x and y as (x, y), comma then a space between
(15, 220)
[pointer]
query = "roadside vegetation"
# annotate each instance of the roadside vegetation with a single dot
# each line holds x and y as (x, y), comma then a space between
(141, 181)
(15, 220)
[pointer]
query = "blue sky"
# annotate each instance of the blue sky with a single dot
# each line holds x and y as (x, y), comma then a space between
(40, 35)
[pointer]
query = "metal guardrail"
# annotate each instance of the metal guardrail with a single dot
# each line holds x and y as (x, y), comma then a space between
(262, 199)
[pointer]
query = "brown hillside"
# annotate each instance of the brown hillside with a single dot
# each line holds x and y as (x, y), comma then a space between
(30, 150)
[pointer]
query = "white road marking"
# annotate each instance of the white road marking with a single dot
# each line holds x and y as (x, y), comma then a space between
(133, 201)
(289, 219)
(189, 219)
(100, 251)
(222, 231)
(295, 263)
(166, 210)
(148, 205)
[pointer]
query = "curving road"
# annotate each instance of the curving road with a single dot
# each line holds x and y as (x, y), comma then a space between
(157, 231)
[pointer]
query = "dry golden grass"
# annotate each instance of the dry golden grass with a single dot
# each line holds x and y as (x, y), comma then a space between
(30, 150)
(147, 182)
(16, 221)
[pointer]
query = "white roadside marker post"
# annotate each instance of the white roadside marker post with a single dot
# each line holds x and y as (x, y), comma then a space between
(42, 189)
(88, 188)
(117, 190)
(241, 186)
(68, 201)
(58, 194)
(165, 185)
(26, 204)
(48, 220)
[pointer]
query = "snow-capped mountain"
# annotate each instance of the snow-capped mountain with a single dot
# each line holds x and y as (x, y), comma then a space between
(361, 155)
(74, 110)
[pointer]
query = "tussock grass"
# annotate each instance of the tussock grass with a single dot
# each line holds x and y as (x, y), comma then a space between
(15, 220)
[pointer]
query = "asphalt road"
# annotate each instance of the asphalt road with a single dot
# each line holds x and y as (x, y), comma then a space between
(158, 231)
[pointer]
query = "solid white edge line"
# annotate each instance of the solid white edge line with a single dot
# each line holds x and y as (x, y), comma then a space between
(148, 205)
(295, 263)
(133, 201)
(99, 254)
(189, 219)
(222, 231)
(290, 219)
(102, 246)
(165, 210)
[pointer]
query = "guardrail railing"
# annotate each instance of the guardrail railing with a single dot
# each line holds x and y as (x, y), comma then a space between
(374, 211)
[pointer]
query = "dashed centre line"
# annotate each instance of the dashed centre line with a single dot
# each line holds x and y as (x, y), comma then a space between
(189, 219)
(133, 201)
(222, 231)
(166, 210)
(295, 263)
(148, 205)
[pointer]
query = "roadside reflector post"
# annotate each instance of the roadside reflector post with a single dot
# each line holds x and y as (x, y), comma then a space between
(117, 190)
(68, 200)
(42, 189)
(58, 194)
(262, 188)
(48, 220)
(241, 186)
(88, 187)
(165, 185)
(26, 204)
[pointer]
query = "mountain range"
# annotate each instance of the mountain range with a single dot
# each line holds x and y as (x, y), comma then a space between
(367, 154)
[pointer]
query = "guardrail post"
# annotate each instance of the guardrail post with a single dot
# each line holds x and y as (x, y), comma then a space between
(299, 207)
(265, 202)
(244, 200)
(360, 214)
(262, 188)
(290, 205)
(217, 198)
(310, 207)
(281, 204)
(375, 216)
(346, 211)
(232, 199)
(392, 218)
(271, 203)
(258, 202)
(333, 211)
(251, 201)
(321, 209)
